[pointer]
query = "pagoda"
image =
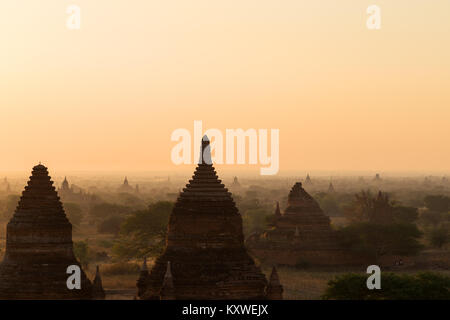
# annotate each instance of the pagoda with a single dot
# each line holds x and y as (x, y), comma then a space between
(302, 234)
(39, 246)
(308, 180)
(331, 188)
(235, 183)
(205, 256)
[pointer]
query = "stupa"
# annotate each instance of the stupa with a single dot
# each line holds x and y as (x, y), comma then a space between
(204, 245)
(235, 182)
(308, 180)
(331, 188)
(39, 246)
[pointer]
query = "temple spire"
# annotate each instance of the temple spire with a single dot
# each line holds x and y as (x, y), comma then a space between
(168, 289)
(97, 287)
(331, 188)
(277, 210)
(140, 284)
(274, 289)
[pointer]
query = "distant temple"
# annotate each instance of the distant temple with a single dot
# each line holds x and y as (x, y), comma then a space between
(205, 256)
(302, 234)
(235, 182)
(308, 180)
(72, 192)
(6, 186)
(331, 188)
(126, 188)
(39, 246)
(377, 177)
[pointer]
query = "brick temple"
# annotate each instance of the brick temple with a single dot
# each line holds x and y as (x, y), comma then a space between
(301, 235)
(205, 256)
(39, 247)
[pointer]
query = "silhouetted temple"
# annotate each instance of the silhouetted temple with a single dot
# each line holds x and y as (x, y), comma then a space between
(127, 188)
(331, 188)
(204, 245)
(235, 182)
(308, 180)
(302, 234)
(39, 246)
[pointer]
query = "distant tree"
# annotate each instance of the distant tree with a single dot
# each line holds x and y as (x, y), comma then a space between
(143, 233)
(439, 236)
(437, 203)
(432, 218)
(74, 213)
(328, 203)
(104, 210)
(81, 251)
(377, 240)
(10, 205)
(422, 286)
(367, 208)
(255, 220)
(404, 214)
(110, 225)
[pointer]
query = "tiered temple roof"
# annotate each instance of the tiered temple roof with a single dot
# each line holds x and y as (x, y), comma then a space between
(303, 223)
(39, 246)
(205, 245)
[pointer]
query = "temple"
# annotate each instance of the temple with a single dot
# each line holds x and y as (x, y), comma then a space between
(331, 188)
(308, 180)
(126, 188)
(301, 235)
(235, 182)
(205, 256)
(39, 246)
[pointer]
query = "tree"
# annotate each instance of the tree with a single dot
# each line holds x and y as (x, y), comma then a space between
(110, 225)
(10, 205)
(367, 208)
(439, 236)
(422, 286)
(81, 251)
(255, 220)
(143, 233)
(404, 214)
(104, 210)
(377, 240)
(74, 213)
(437, 203)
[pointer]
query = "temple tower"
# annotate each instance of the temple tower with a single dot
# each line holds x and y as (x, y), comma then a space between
(97, 287)
(205, 244)
(277, 210)
(39, 246)
(331, 188)
(308, 180)
(274, 289)
(167, 289)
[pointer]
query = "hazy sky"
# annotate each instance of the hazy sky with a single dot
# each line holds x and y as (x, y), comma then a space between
(109, 95)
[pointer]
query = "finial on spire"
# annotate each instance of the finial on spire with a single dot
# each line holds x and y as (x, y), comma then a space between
(205, 151)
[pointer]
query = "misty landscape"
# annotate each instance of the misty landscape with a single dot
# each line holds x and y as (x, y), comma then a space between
(120, 220)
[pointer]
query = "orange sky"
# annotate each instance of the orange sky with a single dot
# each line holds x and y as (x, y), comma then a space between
(108, 96)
